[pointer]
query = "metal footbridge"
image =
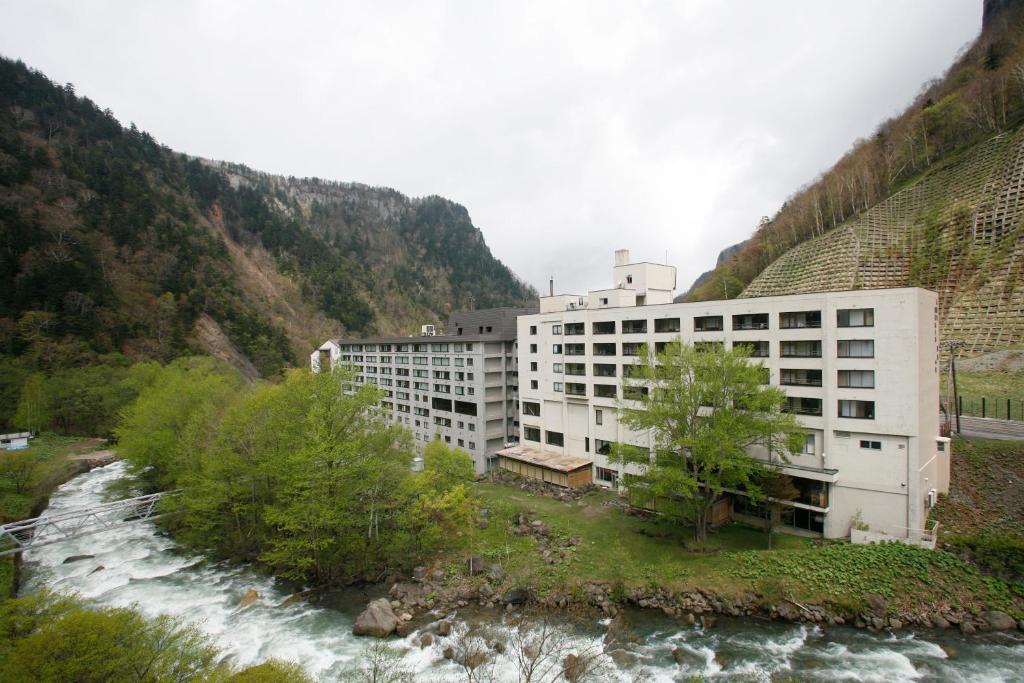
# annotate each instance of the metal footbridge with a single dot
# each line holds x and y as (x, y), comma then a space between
(17, 537)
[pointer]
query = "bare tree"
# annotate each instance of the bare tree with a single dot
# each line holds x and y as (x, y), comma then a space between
(380, 664)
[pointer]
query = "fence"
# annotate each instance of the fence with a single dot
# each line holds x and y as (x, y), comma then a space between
(996, 408)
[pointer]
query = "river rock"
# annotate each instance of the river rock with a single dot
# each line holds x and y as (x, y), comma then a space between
(404, 628)
(426, 640)
(499, 646)
(876, 604)
(515, 596)
(250, 597)
(419, 573)
(497, 574)
(444, 627)
(449, 652)
(999, 621)
(967, 628)
(97, 569)
(895, 624)
(77, 558)
(476, 565)
(377, 620)
(877, 623)
(683, 657)
(622, 658)
(938, 621)
(294, 598)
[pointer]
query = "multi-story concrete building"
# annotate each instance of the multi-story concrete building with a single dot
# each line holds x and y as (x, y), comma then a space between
(460, 387)
(859, 368)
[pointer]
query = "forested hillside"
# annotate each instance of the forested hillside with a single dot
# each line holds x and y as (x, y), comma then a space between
(918, 199)
(115, 249)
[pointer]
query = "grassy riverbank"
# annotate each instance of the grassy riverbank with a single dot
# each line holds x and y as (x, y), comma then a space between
(29, 477)
(629, 552)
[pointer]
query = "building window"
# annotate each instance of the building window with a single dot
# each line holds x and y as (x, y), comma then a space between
(602, 447)
(575, 349)
(610, 476)
(556, 349)
(556, 367)
(556, 329)
(598, 416)
(533, 329)
(857, 379)
(856, 348)
(801, 349)
(605, 390)
(604, 301)
(666, 325)
(531, 434)
(801, 405)
(575, 389)
(800, 378)
(757, 349)
(799, 319)
(533, 384)
(871, 445)
(809, 445)
(604, 349)
(575, 369)
(634, 327)
(604, 370)
(631, 348)
(533, 366)
(606, 327)
(633, 393)
(533, 348)
(531, 408)
(472, 445)
(860, 410)
(573, 329)
(703, 347)
(750, 321)
(556, 386)
(855, 317)
(461, 443)
(707, 323)
(554, 438)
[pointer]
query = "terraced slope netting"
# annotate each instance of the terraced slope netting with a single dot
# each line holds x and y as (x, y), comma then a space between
(958, 230)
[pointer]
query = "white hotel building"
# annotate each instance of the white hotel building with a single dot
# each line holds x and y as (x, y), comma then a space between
(859, 367)
(460, 387)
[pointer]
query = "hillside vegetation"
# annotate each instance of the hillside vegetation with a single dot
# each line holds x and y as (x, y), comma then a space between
(931, 199)
(114, 248)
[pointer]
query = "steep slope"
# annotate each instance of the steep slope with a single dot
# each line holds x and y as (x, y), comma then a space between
(959, 230)
(112, 245)
(929, 200)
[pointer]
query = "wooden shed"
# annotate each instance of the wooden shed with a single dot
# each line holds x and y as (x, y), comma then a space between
(570, 471)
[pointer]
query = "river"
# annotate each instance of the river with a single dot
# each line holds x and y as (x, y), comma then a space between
(147, 570)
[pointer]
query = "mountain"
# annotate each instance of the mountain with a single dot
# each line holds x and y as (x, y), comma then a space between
(723, 256)
(113, 246)
(931, 199)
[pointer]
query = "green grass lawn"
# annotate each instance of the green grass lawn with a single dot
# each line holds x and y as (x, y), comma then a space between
(630, 551)
(614, 546)
(996, 387)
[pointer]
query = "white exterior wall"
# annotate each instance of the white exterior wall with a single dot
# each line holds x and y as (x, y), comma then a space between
(887, 487)
(492, 388)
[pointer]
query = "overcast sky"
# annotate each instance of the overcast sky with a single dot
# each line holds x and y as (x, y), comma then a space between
(567, 129)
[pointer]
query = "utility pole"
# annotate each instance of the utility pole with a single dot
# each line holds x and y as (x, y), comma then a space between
(952, 346)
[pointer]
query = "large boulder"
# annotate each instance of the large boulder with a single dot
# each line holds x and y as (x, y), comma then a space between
(250, 597)
(378, 620)
(476, 565)
(999, 621)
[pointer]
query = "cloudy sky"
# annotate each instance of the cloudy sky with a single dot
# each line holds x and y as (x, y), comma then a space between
(567, 129)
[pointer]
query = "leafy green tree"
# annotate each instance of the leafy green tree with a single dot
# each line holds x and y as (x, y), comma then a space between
(339, 498)
(271, 671)
(33, 411)
(19, 468)
(447, 467)
(110, 645)
(706, 410)
(163, 432)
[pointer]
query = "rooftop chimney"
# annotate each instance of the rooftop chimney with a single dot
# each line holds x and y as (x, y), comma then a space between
(622, 257)
(551, 286)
